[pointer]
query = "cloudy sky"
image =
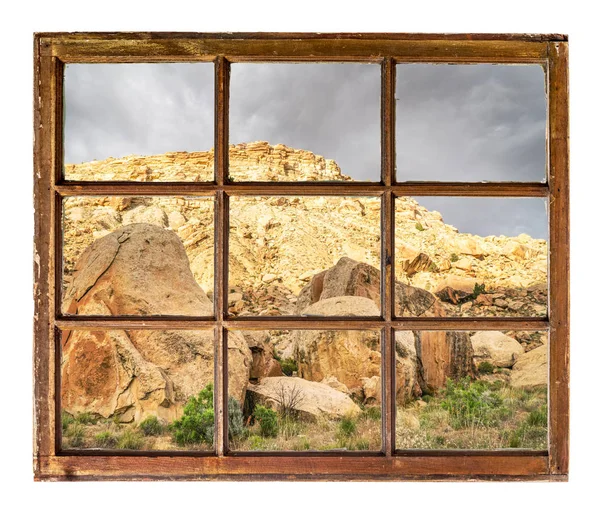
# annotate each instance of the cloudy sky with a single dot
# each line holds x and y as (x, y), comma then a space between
(458, 123)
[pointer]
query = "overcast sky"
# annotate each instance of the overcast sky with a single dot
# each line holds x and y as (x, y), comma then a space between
(468, 123)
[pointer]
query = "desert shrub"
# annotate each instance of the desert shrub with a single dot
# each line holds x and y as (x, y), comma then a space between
(151, 426)
(130, 439)
(538, 417)
(479, 288)
(288, 366)
(485, 368)
(419, 227)
(256, 442)
(267, 420)
(85, 418)
(472, 403)
(288, 401)
(362, 444)
(371, 412)
(453, 257)
(66, 420)
(76, 435)
(347, 427)
(196, 425)
(106, 439)
(236, 419)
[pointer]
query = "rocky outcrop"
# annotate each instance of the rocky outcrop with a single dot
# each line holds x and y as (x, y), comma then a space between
(255, 161)
(531, 369)
(140, 270)
(496, 348)
(351, 278)
(348, 355)
(306, 398)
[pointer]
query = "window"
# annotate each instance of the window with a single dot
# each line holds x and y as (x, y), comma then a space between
(321, 256)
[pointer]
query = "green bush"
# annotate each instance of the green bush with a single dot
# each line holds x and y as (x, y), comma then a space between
(151, 426)
(347, 427)
(453, 257)
(130, 439)
(485, 368)
(267, 420)
(288, 366)
(538, 417)
(197, 423)
(66, 420)
(106, 439)
(479, 288)
(472, 404)
(371, 412)
(76, 435)
(419, 227)
(362, 444)
(85, 418)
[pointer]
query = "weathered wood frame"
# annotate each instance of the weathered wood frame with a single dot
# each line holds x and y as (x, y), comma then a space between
(53, 50)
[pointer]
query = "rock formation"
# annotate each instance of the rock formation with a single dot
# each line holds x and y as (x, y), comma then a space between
(307, 398)
(140, 269)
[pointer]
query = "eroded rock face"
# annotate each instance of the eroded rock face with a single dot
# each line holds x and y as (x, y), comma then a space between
(443, 355)
(311, 399)
(496, 348)
(140, 270)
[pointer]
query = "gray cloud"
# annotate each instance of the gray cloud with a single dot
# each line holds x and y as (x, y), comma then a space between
(330, 109)
(113, 110)
(464, 123)
(492, 216)
(470, 122)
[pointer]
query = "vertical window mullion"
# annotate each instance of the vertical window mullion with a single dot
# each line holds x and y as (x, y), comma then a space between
(387, 259)
(221, 249)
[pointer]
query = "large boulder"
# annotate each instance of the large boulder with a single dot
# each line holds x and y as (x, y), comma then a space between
(140, 270)
(496, 348)
(351, 278)
(531, 369)
(306, 398)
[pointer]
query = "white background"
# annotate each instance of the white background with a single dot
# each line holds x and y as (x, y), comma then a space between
(20, 19)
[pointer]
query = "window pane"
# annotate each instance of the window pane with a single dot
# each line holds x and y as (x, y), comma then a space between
(470, 123)
(139, 122)
(299, 255)
(304, 122)
(308, 390)
(138, 255)
(471, 390)
(127, 389)
(473, 256)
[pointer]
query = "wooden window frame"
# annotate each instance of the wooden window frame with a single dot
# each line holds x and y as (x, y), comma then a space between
(53, 50)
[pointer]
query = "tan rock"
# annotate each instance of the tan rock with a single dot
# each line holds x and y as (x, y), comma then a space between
(333, 382)
(312, 400)
(346, 306)
(531, 369)
(496, 348)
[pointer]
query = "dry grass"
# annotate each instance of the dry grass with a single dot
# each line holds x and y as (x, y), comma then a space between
(517, 420)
